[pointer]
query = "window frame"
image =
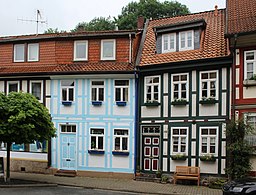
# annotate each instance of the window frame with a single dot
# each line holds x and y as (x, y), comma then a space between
(15, 52)
(152, 87)
(97, 139)
(249, 61)
(97, 87)
(208, 136)
(180, 82)
(186, 40)
(122, 88)
(179, 141)
(102, 49)
(121, 140)
(168, 35)
(37, 52)
(86, 50)
(67, 88)
(30, 89)
(12, 82)
(71, 125)
(208, 85)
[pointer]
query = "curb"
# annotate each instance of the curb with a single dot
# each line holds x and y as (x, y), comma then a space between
(28, 185)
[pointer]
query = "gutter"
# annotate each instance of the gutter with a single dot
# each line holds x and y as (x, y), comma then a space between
(234, 79)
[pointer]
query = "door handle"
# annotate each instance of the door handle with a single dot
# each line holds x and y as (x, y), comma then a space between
(68, 144)
(68, 160)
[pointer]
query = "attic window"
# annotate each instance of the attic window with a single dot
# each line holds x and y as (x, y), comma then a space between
(19, 55)
(186, 40)
(169, 42)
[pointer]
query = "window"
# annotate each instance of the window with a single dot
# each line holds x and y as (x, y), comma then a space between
(80, 50)
(121, 140)
(152, 88)
(208, 140)
(209, 85)
(108, 49)
(186, 40)
(36, 89)
(250, 64)
(97, 139)
(179, 140)
(68, 128)
(180, 86)
(168, 42)
(250, 119)
(13, 86)
(151, 129)
(67, 88)
(121, 90)
(33, 52)
(97, 90)
(19, 53)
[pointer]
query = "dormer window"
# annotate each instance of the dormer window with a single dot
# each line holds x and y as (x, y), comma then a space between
(33, 52)
(186, 40)
(108, 49)
(19, 51)
(80, 50)
(169, 42)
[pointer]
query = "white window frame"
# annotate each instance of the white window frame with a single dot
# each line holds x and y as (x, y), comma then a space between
(121, 140)
(179, 83)
(209, 80)
(66, 125)
(16, 46)
(152, 88)
(114, 49)
(186, 40)
(97, 87)
(30, 89)
(97, 139)
(67, 88)
(122, 88)
(13, 82)
(209, 140)
(86, 50)
(169, 35)
(179, 140)
(36, 46)
(251, 138)
(249, 61)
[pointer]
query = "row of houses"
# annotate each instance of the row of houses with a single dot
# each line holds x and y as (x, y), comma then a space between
(123, 101)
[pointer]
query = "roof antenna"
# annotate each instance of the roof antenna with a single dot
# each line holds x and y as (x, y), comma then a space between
(38, 15)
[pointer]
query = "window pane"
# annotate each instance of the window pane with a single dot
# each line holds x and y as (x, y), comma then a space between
(165, 42)
(100, 143)
(71, 94)
(183, 132)
(175, 131)
(118, 94)
(204, 75)
(175, 78)
(156, 80)
(68, 83)
(64, 94)
(19, 52)
(125, 94)
(117, 143)
(94, 93)
(33, 50)
(93, 142)
(81, 50)
(36, 90)
(13, 87)
(125, 143)
(121, 82)
(204, 131)
(212, 131)
(108, 49)
(101, 94)
(97, 82)
(213, 75)
(250, 56)
(184, 77)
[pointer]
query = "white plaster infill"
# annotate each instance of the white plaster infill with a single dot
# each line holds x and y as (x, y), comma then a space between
(26, 155)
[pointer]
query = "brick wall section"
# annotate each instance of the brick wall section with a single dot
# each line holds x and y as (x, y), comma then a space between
(6, 54)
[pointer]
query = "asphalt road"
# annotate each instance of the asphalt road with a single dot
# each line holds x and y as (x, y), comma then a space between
(60, 190)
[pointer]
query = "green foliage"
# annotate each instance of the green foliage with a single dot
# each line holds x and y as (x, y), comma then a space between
(239, 151)
(217, 183)
(97, 24)
(253, 77)
(148, 9)
(53, 31)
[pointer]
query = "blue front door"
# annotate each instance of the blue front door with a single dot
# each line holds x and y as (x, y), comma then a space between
(68, 151)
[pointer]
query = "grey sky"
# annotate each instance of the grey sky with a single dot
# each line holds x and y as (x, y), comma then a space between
(66, 14)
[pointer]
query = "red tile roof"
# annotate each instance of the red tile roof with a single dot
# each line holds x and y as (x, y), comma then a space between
(241, 16)
(212, 45)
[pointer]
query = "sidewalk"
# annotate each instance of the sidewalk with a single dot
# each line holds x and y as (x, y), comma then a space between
(118, 184)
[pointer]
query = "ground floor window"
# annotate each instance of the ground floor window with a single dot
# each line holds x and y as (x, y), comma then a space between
(36, 146)
(120, 140)
(179, 140)
(97, 139)
(208, 140)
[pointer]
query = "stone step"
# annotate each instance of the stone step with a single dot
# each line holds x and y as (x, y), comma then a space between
(147, 179)
(65, 173)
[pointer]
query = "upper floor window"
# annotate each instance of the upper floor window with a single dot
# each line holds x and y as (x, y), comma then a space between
(169, 42)
(250, 64)
(179, 140)
(120, 140)
(208, 85)
(180, 86)
(97, 139)
(208, 140)
(152, 89)
(33, 52)
(80, 50)
(97, 91)
(13, 86)
(36, 89)
(19, 53)
(67, 88)
(68, 128)
(186, 40)
(121, 90)
(108, 49)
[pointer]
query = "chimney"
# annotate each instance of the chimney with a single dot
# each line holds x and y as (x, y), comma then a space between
(216, 10)
(140, 22)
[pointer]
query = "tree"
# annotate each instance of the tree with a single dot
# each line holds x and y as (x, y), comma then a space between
(53, 31)
(148, 9)
(238, 150)
(97, 24)
(23, 120)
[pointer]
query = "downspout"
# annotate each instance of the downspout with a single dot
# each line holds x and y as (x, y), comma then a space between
(136, 118)
(130, 50)
(234, 79)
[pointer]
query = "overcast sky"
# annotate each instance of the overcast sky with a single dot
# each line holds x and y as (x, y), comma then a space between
(66, 14)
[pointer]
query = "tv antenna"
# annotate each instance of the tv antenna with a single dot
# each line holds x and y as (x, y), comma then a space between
(38, 20)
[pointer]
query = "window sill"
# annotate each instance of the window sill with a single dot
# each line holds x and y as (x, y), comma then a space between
(120, 153)
(179, 103)
(207, 102)
(248, 83)
(213, 159)
(121, 103)
(152, 104)
(96, 103)
(80, 60)
(178, 158)
(96, 151)
(66, 103)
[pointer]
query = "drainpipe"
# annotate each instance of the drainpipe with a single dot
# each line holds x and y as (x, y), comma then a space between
(136, 119)
(234, 79)
(130, 50)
